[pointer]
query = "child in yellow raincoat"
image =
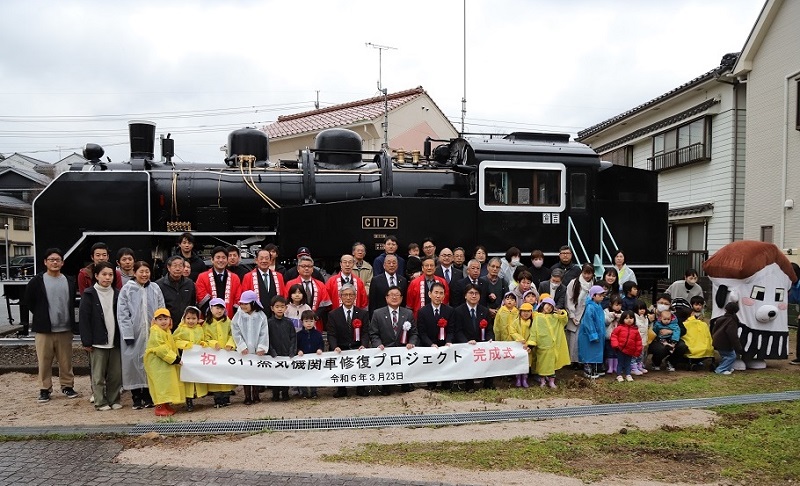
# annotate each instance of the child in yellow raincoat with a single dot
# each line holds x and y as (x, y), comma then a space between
(505, 314)
(217, 335)
(548, 337)
(518, 331)
(189, 333)
(160, 362)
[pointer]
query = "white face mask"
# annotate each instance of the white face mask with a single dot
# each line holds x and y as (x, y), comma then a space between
(662, 307)
(514, 260)
(538, 263)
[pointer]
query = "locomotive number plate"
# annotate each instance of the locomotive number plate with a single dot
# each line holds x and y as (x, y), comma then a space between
(378, 222)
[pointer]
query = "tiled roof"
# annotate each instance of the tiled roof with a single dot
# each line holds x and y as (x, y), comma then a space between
(339, 115)
(689, 210)
(669, 94)
(33, 161)
(34, 176)
(9, 202)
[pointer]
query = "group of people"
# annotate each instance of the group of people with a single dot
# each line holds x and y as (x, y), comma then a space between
(135, 330)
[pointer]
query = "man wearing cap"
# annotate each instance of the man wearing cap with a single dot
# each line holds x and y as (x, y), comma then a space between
(556, 288)
(317, 273)
(316, 292)
(390, 277)
(218, 282)
(265, 281)
(420, 288)
(468, 327)
(178, 291)
(342, 334)
(344, 277)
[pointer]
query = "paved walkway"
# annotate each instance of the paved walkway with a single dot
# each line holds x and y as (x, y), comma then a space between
(90, 462)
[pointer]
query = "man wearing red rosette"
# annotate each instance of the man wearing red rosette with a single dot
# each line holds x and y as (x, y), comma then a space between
(434, 324)
(347, 330)
(471, 325)
(420, 287)
(393, 326)
(265, 281)
(219, 282)
(316, 292)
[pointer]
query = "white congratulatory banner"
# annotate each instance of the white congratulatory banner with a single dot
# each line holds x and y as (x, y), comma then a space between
(356, 368)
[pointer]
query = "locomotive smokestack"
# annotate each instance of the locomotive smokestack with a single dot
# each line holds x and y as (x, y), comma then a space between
(143, 139)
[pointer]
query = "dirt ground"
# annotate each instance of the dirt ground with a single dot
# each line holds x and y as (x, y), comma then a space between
(303, 451)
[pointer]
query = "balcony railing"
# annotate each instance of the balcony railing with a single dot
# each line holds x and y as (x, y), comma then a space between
(677, 158)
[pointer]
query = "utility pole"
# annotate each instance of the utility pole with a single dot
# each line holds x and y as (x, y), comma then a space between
(383, 90)
(464, 97)
(316, 103)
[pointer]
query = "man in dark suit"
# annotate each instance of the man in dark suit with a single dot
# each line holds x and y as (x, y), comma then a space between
(387, 326)
(267, 283)
(428, 317)
(446, 270)
(459, 286)
(380, 284)
(555, 287)
(341, 332)
(467, 320)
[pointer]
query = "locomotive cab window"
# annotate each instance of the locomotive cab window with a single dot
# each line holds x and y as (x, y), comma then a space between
(522, 186)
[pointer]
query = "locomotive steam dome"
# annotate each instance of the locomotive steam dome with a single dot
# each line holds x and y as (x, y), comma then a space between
(338, 148)
(249, 141)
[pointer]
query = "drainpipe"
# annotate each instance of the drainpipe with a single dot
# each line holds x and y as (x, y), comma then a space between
(785, 161)
(735, 84)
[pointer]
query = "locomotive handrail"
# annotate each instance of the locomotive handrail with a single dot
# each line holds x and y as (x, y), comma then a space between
(603, 248)
(571, 228)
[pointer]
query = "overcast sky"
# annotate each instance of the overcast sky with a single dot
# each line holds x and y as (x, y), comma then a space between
(75, 72)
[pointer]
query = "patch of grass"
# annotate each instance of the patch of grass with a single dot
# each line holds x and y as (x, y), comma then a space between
(652, 387)
(745, 443)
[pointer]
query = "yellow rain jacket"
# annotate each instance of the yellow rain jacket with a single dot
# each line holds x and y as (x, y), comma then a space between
(697, 339)
(502, 320)
(219, 332)
(548, 337)
(518, 330)
(163, 377)
(185, 337)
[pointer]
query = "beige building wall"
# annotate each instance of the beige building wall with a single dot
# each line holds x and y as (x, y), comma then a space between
(773, 145)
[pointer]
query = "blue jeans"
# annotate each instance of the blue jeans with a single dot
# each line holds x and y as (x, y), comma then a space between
(726, 360)
(624, 366)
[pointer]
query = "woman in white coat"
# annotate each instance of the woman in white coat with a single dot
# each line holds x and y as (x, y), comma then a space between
(138, 301)
(577, 293)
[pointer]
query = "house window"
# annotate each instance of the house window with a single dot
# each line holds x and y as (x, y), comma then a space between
(528, 187)
(621, 156)
(22, 250)
(22, 224)
(3, 221)
(683, 145)
(578, 191)
(688, 237)
(766, 234)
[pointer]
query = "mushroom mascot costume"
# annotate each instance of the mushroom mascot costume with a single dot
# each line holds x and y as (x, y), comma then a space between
(758, 276)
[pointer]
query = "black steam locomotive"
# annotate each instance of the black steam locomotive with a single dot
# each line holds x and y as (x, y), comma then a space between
(523, 189)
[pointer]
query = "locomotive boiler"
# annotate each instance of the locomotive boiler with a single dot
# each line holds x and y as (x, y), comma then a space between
(533, 191)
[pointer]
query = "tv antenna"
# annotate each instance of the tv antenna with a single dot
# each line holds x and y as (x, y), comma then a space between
(383, 90)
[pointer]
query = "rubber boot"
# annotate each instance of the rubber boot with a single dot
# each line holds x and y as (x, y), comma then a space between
(248, 394)
(189, 405)
(524, 381)
(541, 382)
(519, 381)
(551, 382)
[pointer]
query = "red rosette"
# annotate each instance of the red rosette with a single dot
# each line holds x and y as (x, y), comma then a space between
(356, 323)
(484, 323)
(442, 323)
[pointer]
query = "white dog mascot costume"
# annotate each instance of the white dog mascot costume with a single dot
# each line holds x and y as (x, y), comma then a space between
(758, 276)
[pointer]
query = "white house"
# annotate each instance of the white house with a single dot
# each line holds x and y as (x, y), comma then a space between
(693, 136)
(413, 116)
(769, 66)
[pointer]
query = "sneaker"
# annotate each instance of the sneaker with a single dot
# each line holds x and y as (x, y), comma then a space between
(44, 396)
(670, 367)
(727, 372)
(116, 406)
(636, 372)
(643, 370)
(104, 408)
(138, 404)
(655, 368)
(628, 378)
(69, 392)
(91, 398)
(795, 361)
(620, 378)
